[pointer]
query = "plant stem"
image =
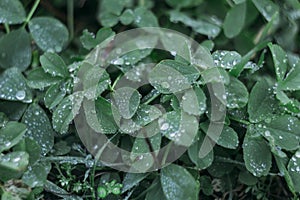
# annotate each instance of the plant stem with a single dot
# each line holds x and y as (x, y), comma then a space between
(70, 8)
(7, 29)
(29, 16)
(228, 160)
(115, 83)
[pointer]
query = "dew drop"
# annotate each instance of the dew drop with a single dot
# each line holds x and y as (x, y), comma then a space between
(164, 126)
(20, 95)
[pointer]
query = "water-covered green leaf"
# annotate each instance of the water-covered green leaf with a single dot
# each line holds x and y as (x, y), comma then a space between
(178, 183)
(65, 112)
(12, 12)
(179, 127)
(126, 100)
(234, 20)
(30, 146)
(281, 131)
(194, 152)
(13, 86)
(55, 95)
(11, 134)
(53, 64)
(15, 50)
(39, 127)
(257, 155)
(156, 192)
(236, 94)
(194, 101)
(13, 109)
(39, 79)
(262, 103)
(13, 164)
(226, 59)
(49, 33)
(170, 76)
(146, 114)
(36, 175)
(294, 170)
(279, 60)
(292, 79)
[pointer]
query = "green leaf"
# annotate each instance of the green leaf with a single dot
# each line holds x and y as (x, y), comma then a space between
(194, 101)
(127, 17)
(156, 191)
(11, 134)
(145, 18)
(178, 127)
(283, 131)
(66, 111)
(291, 81)
(126, 100)
(106, 114)
(38, 79)
(215, 75)
(257, 155)
(194, 152)
(14, 87)
(262, 104)
(178, 183)
(95, 80)
(12, 12)
(54, 64)
(31, 147)
(246, 178)
(170, 76)
(15, 50)
(89, 40)
(132, 179)
(235, 20)
(146, 114)
(228, 137)
(108, 19)
(199, 26)
(281, 164)
(12, 165)
(226, 59)
(294, 170)
(55, 95)
(13, 109)
(36, 175)
(236, 94)
(266, 7)
(279, 60)
(39, 127)
(49, 33)
(206, 185)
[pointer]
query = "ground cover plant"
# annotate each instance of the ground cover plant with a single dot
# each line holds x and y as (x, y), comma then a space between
(253, 47)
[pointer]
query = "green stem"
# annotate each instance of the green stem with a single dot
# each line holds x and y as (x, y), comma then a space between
(239, 67)
(7, 29)
(152, 98)
(115, 83)
(33, 9)
(228, 160)
(70, 8)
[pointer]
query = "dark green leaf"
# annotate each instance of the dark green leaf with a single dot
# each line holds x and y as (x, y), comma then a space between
(12, 12)
(127, 17)
(13, 86)
(31, 147)
(266, 7)
(53, 64)
(15, 50)
(194, 101)
(294, 170)
(144, 18)
(257, 155)
(292, 80)
(11, 134)
(12, 165)
(39, 127)
(38, 79)
(178, 183)
(55, 95)
(279, 60)
(49, 33)
(234, 20)
(131, 180)
(36, 175)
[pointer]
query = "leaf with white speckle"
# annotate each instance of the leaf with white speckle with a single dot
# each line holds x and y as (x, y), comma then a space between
(178, 183)
(36, 175)
(294, 170)
(13, 86)
(39, 127)
(49, 33)
(194, 101)
(12, 12)
(53, 64)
